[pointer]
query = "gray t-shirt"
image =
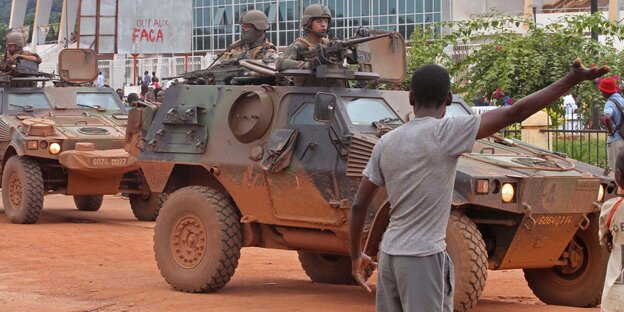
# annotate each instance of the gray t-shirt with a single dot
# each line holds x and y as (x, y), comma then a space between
(416, 162)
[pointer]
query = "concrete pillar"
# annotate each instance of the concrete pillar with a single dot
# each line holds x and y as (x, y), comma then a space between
(530, 130)
(68, 19)
(18, 13)
(614, 10)
(42, 19)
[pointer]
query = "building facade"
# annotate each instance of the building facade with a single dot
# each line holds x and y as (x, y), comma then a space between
(216, 22)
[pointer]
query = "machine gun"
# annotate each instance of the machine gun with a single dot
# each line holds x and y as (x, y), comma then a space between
(326, 60)
(337, 51)
(218, 74)
(24, 73)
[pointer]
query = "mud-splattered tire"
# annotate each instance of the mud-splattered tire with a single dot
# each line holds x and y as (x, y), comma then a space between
(22, 190)
(327, 268)
(577, 285)
(465, 245)
(147, 209)
(197, 239)
(88, 202)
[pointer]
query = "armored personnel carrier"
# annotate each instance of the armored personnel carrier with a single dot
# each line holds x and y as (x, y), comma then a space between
(278, 166)
(64, 140)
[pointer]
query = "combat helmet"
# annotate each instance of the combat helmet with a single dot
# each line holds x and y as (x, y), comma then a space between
(255, 17)
(315, 11)
(16, 39)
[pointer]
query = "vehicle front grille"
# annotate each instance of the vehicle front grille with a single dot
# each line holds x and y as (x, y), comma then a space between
(360, 151)
(5, 131)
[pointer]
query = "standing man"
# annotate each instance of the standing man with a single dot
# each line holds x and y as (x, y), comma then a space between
(414, 268)
(99, 81)
(147, 80)
(569, 107)
(15, 51)
(611, 233)
(613, 117)
(253, 43)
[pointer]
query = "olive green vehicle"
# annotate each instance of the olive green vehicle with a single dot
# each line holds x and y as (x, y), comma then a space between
(65, 140)
(278, 166)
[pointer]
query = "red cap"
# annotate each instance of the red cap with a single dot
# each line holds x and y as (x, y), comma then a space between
(608, 85)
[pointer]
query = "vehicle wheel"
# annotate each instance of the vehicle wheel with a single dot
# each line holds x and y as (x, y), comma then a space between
(22, 190)
(578, 284)
(88, 202)
(327, 268)
(465, 245)
(197, 239)
(147, 209)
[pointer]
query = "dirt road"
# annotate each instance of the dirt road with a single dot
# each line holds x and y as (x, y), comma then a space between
(103, 261)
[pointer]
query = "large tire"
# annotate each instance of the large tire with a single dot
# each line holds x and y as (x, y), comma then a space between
(576, 285)
(147, 209)
(22, 190)
(197, 239)
(88, 202)
(327, 268)
(465, 245)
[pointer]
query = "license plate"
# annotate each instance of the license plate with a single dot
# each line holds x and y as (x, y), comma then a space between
(107, 162)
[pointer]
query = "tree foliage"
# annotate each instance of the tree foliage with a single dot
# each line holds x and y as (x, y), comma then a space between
(514, 55)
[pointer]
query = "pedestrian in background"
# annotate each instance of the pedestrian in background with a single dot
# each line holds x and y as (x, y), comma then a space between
(570, 108)
(147, 80)
(613, 118)
(99, 81)
(415, 271)
(610, 231)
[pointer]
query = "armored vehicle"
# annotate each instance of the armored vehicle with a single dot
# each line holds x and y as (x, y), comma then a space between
(64, 140)
(278, 167)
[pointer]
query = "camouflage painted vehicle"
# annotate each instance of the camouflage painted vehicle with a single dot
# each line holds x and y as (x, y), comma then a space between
(65, 140)
(278, 166)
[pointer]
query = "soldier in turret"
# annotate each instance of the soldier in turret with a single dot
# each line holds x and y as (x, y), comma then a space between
(15, 51)
(253, 43)
(302, 54)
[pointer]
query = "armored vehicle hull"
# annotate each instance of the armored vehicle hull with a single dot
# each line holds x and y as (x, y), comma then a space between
(68, 141)
(278, 167)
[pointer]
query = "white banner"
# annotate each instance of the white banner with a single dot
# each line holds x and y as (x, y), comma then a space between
(149, 27)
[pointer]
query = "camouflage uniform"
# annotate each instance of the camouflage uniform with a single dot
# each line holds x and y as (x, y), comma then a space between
(9, 59)
(264, 51)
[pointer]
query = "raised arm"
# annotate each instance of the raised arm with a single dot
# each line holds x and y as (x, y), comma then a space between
(494, 120)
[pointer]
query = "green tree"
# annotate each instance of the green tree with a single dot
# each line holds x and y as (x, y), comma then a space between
(519, 64)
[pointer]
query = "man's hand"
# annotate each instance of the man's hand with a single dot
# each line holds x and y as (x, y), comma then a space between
(582, 73)
(358, 268)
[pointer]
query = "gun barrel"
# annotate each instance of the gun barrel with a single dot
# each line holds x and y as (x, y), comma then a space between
(350, 42)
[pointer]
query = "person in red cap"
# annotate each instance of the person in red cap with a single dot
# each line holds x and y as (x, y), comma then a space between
(613, 117)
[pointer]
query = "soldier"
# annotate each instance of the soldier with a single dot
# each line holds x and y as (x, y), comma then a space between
(315, 22)
(253, 43)
(15, 51)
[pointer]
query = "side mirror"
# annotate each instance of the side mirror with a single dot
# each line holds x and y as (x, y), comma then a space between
(324, 106)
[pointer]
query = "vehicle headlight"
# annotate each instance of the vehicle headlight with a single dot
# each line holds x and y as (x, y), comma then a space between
(601, 193)
(507, 192)
(54, 148)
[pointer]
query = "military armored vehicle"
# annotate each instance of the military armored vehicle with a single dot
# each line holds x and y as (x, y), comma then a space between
(278, 166)
(65, 140)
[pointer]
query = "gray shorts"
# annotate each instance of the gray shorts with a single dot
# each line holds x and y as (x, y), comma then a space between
(408, 283)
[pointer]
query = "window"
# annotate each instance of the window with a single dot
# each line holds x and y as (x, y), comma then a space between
(364, 111)
(27, 101)
(455, 110)
(102, 100)
(305, 115)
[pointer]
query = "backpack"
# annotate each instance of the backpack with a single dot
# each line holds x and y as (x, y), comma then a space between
(621, 109)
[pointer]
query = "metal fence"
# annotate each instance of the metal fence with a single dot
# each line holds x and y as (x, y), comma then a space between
(573, 140)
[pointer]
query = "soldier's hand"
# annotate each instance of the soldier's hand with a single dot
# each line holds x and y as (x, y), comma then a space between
(362, 32)
(583, 73)
(358, 268)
